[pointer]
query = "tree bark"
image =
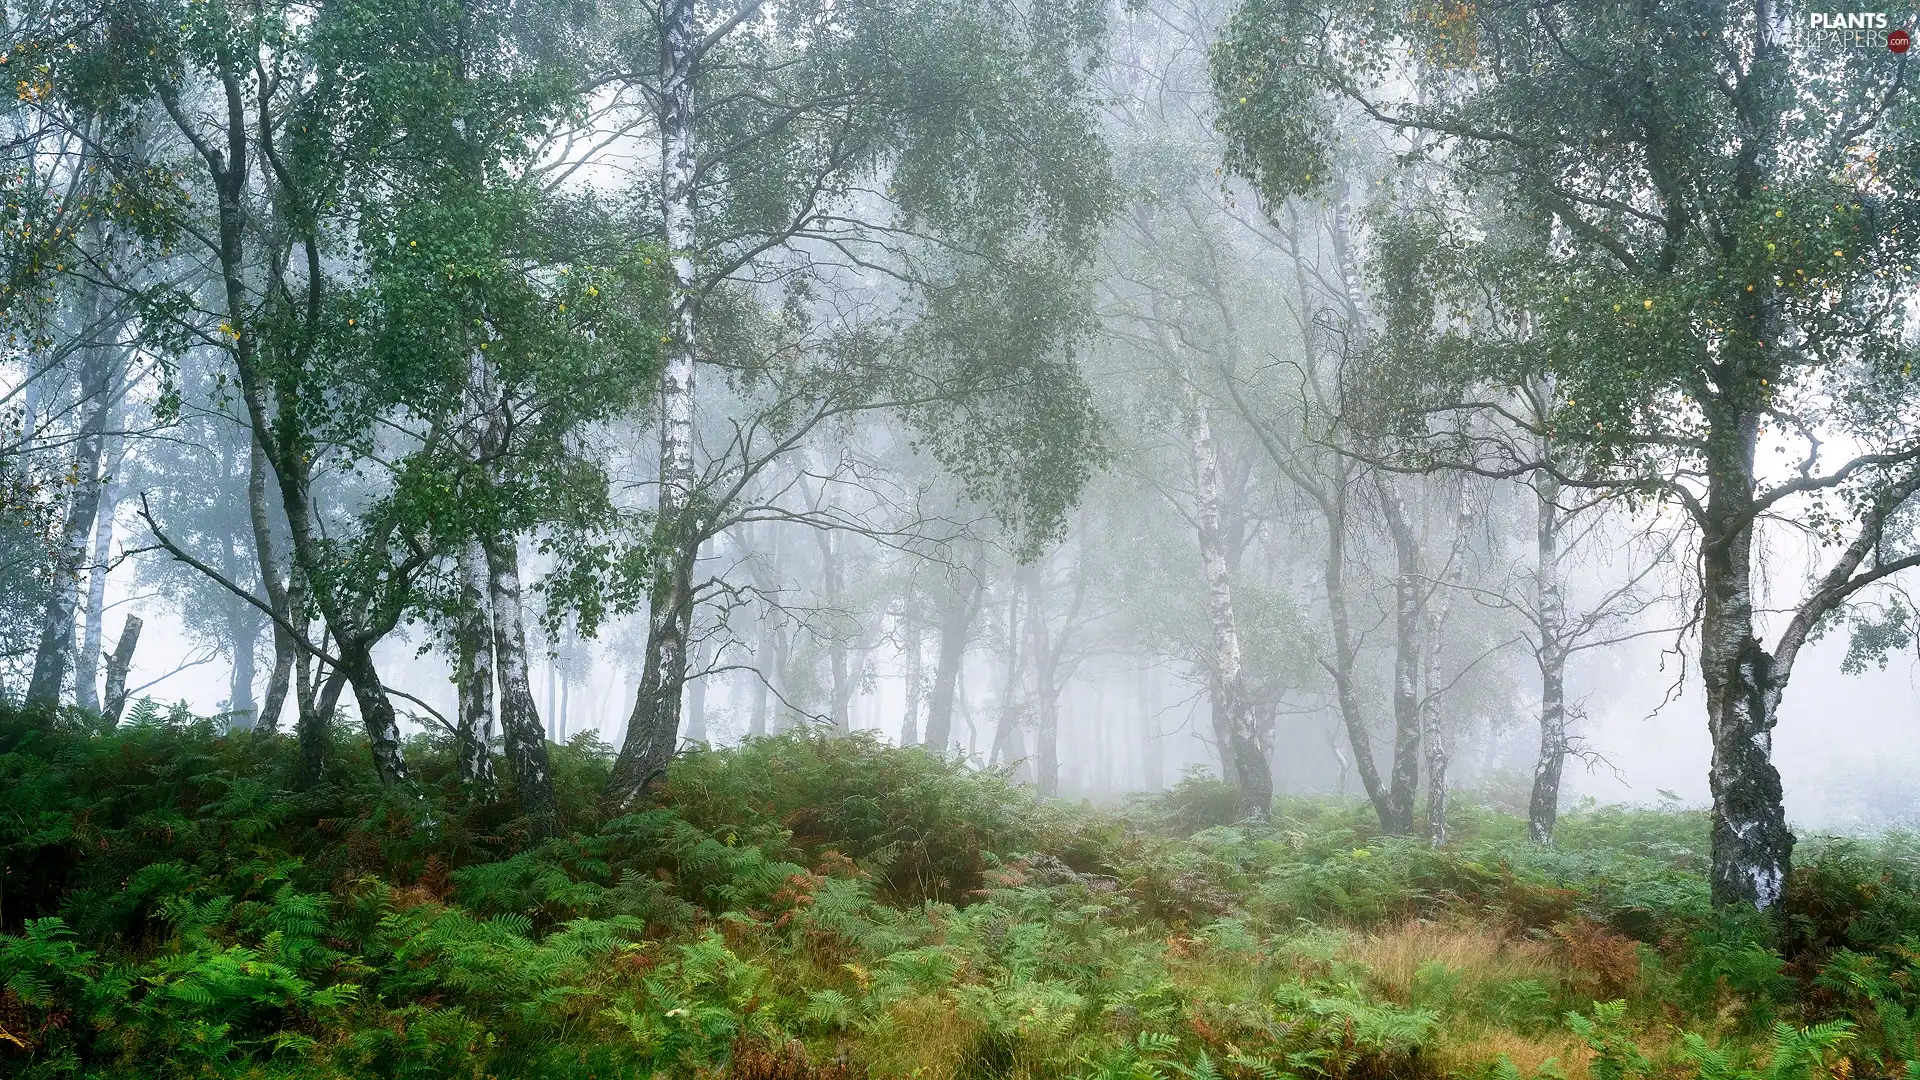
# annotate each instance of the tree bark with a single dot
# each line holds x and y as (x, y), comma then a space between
(1046, 695)
(1151, 776)
(376, 711)
(1346, 693)
(56, 627)
(910, 645)
(525, 742)
(86, 667)
(117, 667)
(286, 651)
(1406, 662)
(1431, 730)
(654, 724)
(312, 728)
(653, 728)
(1543, 808)
(473, 669)
(1009, 745)
(956, 625)
(841, 691)
(243, 632)
(1752, 847)
(757, 723)
(1233, 721)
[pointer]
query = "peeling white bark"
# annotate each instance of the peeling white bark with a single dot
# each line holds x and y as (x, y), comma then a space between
(1233, 721)
(525, 741)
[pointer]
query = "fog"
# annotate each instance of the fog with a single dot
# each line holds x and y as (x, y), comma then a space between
(1084, 444)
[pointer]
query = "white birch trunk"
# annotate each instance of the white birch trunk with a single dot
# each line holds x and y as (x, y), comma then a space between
(525, 741)
(1543, 807)
(1430, 717)
(654, 725)
(86, 667)
(473, 727)
(1405, 778)
(1239, 750)
(56, 630)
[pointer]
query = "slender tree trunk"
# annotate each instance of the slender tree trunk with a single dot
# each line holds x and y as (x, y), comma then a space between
(1430, 717)
(314, 728)
(966, 713)
(757, 724)
(1406, 662)
(311, 728)
(1107, 748)
(1346, 693)
(56, 628)
(1340, 758)
(1330, 493)
(697, 704)
(655, 722)
(86, 667)
(910, 723)
(1046, 693)
(376, 711)
(1752, 846)
(769, 653)
(653, 728)
(1046, 737)
(1232, 714)
(782, 676)
(243, 632)
(956, 625)
(286, 651)
(524, 740)
(1243, 760)
(1008, 744)
(840, 694)
(118, 665)
(1222, 739)
(473, 674)
(1543, 808)
(1151, 776)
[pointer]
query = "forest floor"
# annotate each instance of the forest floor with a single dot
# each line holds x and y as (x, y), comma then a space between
(837, 908)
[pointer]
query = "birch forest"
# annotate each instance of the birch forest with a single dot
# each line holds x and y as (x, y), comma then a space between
(959, 539)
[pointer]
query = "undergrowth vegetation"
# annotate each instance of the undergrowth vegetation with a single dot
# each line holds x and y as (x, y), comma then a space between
(810, 907)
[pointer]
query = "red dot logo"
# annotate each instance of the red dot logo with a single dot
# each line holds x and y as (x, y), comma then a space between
(1899, 41)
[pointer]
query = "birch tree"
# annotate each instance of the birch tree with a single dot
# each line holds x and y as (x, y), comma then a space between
(1716, 268)
(943, 151)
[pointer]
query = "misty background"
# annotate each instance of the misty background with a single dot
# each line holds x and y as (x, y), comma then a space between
(858, 554)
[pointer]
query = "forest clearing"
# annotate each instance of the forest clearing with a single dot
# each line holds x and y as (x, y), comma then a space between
(783, 539)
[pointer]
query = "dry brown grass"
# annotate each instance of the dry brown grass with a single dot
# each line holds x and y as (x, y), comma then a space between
(924, 1037)
(1482, 954)
(1465, 1052)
